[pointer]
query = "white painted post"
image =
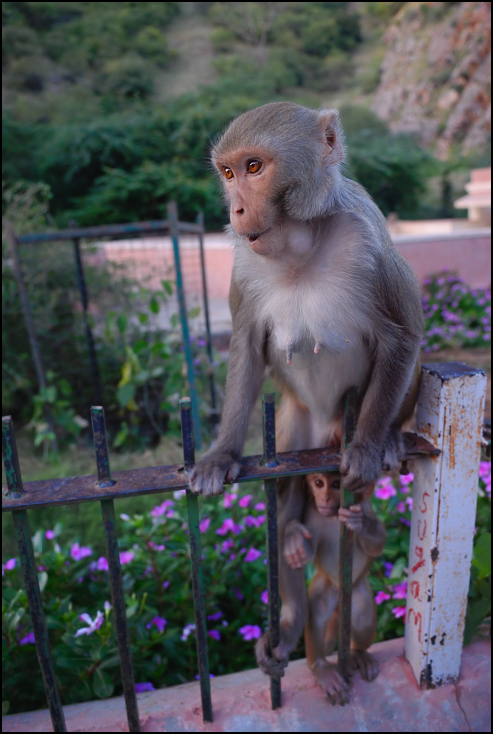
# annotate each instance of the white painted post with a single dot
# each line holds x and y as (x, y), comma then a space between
(450, 415)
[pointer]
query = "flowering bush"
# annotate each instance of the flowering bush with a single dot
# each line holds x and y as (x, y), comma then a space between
(456, 315)
(157, 581)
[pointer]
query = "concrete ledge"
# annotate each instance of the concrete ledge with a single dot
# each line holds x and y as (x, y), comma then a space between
(393, 702)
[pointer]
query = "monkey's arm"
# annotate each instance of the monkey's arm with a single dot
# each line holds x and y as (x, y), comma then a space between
(369, 531)
(298, 546)
(245, 374)
(395, 375)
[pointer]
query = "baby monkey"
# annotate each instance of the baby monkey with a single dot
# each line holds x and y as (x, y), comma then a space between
(317, 538)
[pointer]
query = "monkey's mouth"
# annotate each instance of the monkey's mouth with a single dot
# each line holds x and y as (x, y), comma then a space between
(254, 237)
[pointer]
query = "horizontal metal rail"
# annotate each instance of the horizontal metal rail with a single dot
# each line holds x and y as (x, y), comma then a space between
(159, 226)
(169, 478)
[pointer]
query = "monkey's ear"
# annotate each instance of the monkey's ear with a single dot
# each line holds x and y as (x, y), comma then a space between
(333, 134)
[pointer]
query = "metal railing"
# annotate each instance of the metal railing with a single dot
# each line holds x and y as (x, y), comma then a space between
(105, 488)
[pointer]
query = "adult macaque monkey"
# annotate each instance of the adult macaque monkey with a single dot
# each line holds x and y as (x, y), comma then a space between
(320, 294)
(317, 538)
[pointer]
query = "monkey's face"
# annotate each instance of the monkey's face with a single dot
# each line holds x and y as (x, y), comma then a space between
(247, 176)
(325, 489)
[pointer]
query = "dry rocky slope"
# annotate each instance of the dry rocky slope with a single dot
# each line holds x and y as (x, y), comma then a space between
(436, 75)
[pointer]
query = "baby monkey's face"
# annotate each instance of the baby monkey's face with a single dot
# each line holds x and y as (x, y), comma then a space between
(325, 489)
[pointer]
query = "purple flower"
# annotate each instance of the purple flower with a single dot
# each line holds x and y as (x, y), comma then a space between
(28, 639)
(381, 596)
(101, 564)
(400, 591)
(228, 500)
(245, 501)
(204, 524)
(252, 555)
(49, 535)
(166, 584)
(388, 568)
(156, 547)
(227, 545)
(215, 616)
(160, 623)
(260, 506)
(79, 552)
(201, 342)
(385, 490)
(10, 565)
(250, 632)
(215, 634)
(407, 479)
(161, 509)
(264, 597)
(126, 557)
(229, 525)
(401, 507)
(238, 594)
(94, 624)
(409, 502)
(141, 687)
(399, 612)
(211, 675)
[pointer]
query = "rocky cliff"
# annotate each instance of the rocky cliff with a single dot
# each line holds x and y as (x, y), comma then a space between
(436, 75)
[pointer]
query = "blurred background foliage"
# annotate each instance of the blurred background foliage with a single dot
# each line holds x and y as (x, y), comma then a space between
(86, 109)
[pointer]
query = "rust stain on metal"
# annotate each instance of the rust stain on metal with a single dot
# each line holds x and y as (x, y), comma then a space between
(169, 478)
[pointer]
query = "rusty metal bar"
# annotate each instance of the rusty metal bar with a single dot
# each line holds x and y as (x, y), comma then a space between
(91, 347)
(196, 561)
(46, 492)
(269, 435)
(212, 384)
(28, 563)
(11, 459)
(13, 240)
(115, 571)
(346, 553)
(174, 230)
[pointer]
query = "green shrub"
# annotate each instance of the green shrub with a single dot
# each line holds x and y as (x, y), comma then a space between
(222, 40)
(129, 77)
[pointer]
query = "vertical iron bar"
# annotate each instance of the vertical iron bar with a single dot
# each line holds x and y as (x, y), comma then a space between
(346, 553)
(28, 319)
(114, 569)
(15, 487)
(91, 348)
(212, 383)
(195, 558)
(173, 223)
(269, 431)
(28, 562)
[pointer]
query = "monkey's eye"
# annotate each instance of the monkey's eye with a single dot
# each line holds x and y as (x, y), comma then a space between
(254, 166)
(336, 484)
(319, 483)
(228, 172)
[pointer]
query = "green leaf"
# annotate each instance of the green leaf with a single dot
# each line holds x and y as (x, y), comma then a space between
(42, 580)
(482, 555)
(398, 569)
(125, 393)
(102, 684)
(154, 305)
(167, 287)
(121, 322)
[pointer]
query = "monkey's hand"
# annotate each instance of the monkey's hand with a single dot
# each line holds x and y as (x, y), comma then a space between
(361, 465)
(393, 449)
(331, 682)
(212, 471)
(298, 550)
(352, 518)
(271, 662)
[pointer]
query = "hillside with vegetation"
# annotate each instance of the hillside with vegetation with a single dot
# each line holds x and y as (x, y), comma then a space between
(114, 105)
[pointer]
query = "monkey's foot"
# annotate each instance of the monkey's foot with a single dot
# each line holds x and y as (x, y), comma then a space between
(212, 471)
(393, 450)
(332, 683)
(361, 465)
(368, 666)
(271, 662)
